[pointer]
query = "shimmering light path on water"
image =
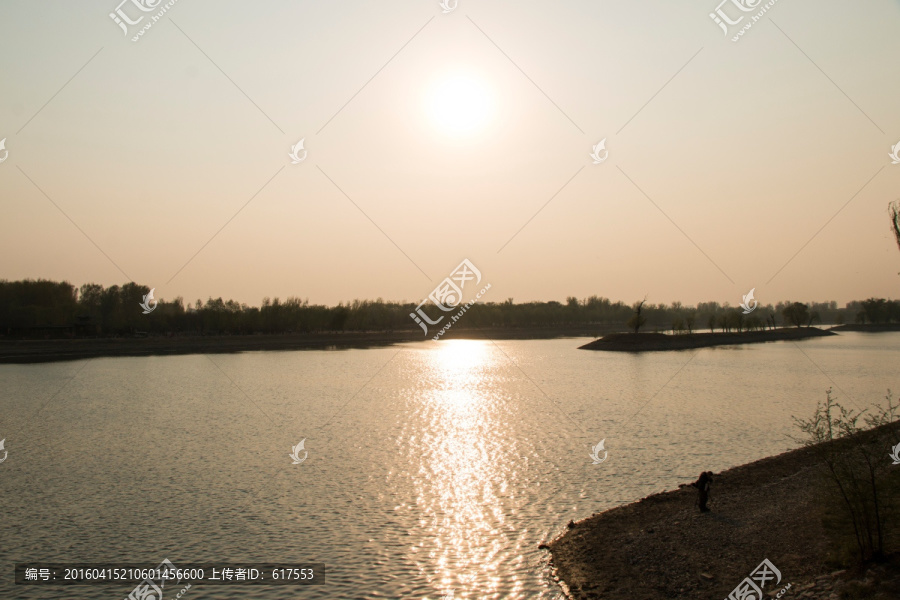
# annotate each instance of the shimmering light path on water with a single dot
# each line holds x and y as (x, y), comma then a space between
(432, 467)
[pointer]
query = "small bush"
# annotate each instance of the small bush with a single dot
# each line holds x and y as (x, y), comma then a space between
(860, 499)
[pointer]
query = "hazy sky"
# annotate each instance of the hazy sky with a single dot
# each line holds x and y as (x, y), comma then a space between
(434, 137)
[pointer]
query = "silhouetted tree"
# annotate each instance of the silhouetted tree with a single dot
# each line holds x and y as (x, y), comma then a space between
(754, 323)
(894, 210)
(813, 316)
(637, 320)
(796, 314)
(876, 310)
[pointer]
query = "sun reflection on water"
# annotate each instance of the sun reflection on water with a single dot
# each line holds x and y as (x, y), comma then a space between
(459, 361)
(463, 473)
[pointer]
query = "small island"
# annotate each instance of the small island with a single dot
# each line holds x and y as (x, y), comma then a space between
(644, 342)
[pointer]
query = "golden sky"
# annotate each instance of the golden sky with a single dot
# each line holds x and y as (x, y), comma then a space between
(435, 136)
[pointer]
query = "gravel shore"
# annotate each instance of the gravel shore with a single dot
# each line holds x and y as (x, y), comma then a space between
(664, 547)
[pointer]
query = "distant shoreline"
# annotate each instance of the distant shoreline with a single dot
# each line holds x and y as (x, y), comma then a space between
(868, 327)
(22, 351)
(19, 351)
(649, 342)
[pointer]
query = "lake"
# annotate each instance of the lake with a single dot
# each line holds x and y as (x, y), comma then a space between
(431, 467)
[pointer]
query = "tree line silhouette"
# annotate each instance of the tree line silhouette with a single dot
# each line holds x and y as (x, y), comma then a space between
(45, 308)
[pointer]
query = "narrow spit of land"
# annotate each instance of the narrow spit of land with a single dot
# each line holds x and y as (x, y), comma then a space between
(663, 547)
(52, 350)
(869, 327)
(644, 342)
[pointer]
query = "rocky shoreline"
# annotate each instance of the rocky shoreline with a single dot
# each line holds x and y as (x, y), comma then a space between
(663, 547)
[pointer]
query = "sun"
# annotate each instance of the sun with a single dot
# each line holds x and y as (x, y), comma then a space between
(459, 105)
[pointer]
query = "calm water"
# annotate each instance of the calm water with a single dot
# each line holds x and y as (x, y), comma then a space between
(432, 467)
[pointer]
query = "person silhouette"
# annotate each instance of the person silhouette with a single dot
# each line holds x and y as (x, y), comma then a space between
(703, 484)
